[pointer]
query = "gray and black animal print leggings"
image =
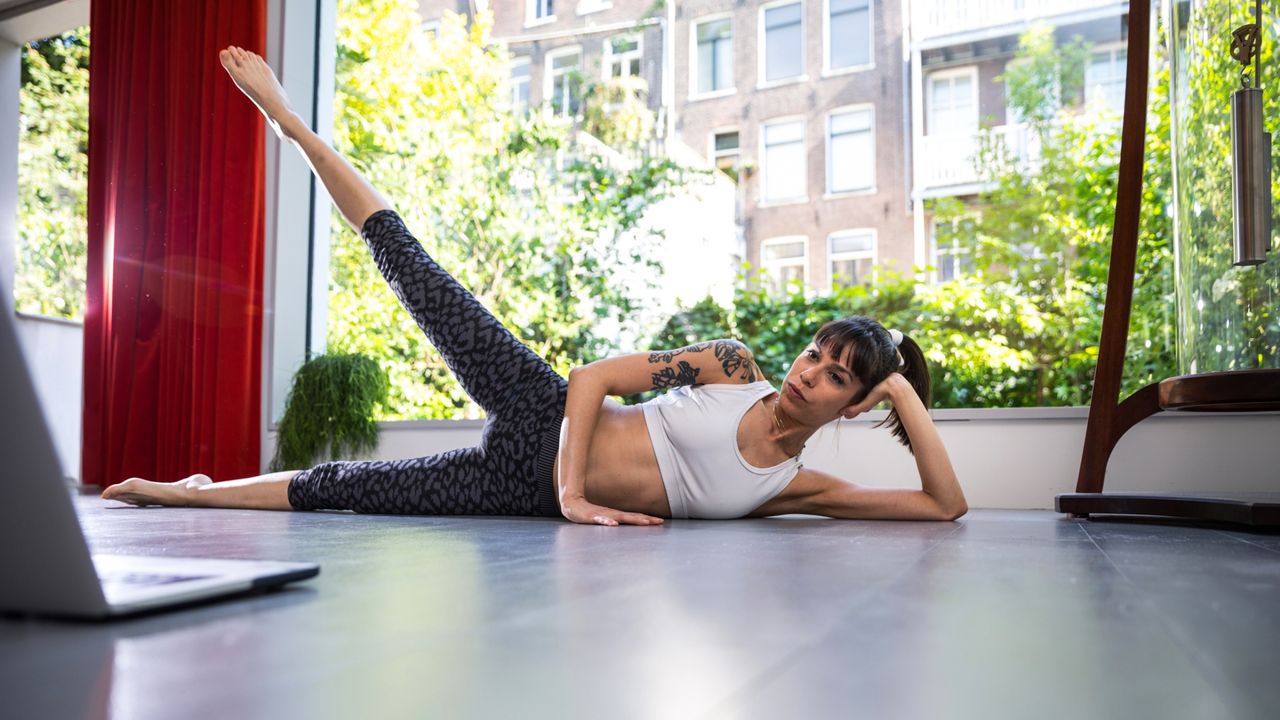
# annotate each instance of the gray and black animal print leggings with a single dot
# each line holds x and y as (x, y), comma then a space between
(511, 471)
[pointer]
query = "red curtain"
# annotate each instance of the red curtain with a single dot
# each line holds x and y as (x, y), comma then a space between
(173, 322)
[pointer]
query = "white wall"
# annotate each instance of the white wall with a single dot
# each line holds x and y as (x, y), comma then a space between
(54, 350)
(1005, 459)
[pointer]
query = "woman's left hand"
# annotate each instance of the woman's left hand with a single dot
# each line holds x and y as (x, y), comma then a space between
(888, 389)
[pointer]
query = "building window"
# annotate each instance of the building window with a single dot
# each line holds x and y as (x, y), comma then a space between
(431, 27)
(851, 157)
(783, 167)
(784, 261)
(540, 10)
(853, 255)
(622, 55)
(725, 152)
(783, 42)
(714, 63)
(520, 85)
(953, 102)
(848, 34)
(564, 81)
(1104, 81)
(950, 256)
(585, 7)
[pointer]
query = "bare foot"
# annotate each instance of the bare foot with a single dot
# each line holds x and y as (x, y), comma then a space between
(137, 491)
(254, 78)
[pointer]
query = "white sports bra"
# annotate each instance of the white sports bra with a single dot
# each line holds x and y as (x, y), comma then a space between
(694, 430)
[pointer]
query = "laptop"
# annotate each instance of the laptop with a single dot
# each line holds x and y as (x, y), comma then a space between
(45, 563)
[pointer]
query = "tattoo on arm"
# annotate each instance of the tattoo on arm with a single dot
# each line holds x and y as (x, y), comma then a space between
(735, 357)
(670, 377)
(667, 355)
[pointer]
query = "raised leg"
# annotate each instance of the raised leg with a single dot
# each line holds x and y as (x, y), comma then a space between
(264, 492)
(355, 197)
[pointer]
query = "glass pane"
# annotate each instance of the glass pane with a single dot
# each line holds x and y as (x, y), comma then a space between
(783, 132)
(706, 66)
(784, 250)
(850, 41)
(849, 122)
(860, 242)
(791, 274)
(565, 62)
(724, 63)
(715, 29)
(784, 44)
(726, 141)
(624, 43)
(852, 162)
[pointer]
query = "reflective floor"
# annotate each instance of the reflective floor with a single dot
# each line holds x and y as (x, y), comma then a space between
(1002, 614)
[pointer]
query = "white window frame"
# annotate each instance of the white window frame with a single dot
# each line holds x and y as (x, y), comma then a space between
(832, 257)
(548, 80)
(762, 49)
(803, 261)
(714, 155)
(609, 56)
(693, 56)
(531, 18)
(1110, 49)
(972, 72)
(528, 62)
(762, 200)
(955, 251)
(827, 70)
(869, 190)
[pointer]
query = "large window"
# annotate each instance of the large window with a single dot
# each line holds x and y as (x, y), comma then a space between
(622, 56)
(785, 262)
(783, 42)
(520, 85)
(852, 256)
(950, 252)
(1104, 81)
(851, 155)
(848, 37)
(953, 102)
(713, 57)
(538, 11)
(783, 169)
(53, 114)
(564, 80)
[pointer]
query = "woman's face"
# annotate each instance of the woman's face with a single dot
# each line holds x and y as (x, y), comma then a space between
(818, 386)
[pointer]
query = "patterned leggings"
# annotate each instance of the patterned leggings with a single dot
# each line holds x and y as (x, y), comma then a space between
(511, 471)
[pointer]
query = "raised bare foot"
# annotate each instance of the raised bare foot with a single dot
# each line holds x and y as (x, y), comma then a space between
(254, 78)
(137, 491)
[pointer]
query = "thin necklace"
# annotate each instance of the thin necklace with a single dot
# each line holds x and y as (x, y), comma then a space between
(777, 423)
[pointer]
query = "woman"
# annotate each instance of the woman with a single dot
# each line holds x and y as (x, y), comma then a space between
(723, 443)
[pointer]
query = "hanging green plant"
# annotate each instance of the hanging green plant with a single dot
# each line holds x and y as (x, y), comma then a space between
(330, 410)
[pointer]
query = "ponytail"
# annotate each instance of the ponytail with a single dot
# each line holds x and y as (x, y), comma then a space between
(916, 371)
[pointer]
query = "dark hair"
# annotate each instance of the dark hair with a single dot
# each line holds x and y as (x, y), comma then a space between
(873, 357)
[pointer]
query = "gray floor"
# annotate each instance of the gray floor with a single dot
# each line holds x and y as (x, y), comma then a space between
(1002, 614)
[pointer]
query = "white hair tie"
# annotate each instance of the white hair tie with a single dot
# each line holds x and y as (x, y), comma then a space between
(896, 337)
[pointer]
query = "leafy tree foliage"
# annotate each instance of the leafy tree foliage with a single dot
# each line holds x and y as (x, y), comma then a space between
(53, 166)
(543, 229)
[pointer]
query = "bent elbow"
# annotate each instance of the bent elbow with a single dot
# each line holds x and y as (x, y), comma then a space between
(957, 512)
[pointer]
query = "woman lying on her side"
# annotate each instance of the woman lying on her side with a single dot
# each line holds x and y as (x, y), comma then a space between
(722, 443)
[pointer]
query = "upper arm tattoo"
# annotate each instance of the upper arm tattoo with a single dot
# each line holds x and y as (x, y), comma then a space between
(735, 359)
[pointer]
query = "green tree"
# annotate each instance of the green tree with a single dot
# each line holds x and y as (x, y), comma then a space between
(541, 227)
(53, 109)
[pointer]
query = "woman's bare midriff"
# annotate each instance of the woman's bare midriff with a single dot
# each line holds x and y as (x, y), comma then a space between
(622, 470)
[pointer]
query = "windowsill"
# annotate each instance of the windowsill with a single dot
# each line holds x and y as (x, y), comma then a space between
(837, 72)
(781, 203)
(850, 193)
(782, 83)
(53, 319)
(536, 22)
(712, 95)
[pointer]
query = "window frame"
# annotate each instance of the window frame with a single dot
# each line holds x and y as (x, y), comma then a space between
(803, 261)
(832, 257)
(548, 78)
(527, 61)
(532, 19)
(829, 191)
(827, 70)
(762, 200)
(931, 124)
(762, 47)
(608, 56)
(693, 93)
(1110, 49)
(714, 155)
(955, 251)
